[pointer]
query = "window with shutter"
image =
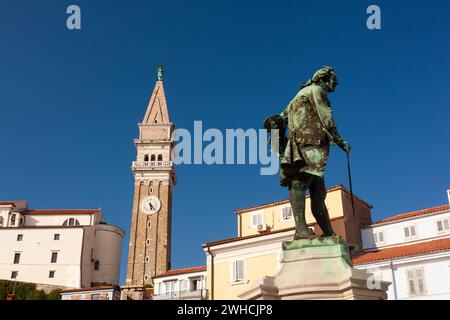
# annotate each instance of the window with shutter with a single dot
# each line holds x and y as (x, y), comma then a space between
(286, 213)
(411, 286)
(442, 225)
(410, 232)
(238, 270)
(257, 219)
(416, 281)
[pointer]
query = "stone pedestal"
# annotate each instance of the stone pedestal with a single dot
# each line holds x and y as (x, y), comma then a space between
(318, 269)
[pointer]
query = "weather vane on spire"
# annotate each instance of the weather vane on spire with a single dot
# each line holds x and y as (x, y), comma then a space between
(160, 73)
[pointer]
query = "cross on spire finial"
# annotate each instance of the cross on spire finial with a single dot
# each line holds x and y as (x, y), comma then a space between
(160, 73)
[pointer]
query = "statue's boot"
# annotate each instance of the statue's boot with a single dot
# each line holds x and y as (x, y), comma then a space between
(318, 207)
(297, 200)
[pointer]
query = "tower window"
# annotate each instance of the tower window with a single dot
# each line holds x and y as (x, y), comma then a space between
(16, 258)
(146, 158)
(149, 224)
(97, 265)
(152, 158)
(159, 157)
(54, 257)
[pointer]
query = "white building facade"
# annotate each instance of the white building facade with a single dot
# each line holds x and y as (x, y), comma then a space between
(181, 284)
(412, 251)
(58, 248)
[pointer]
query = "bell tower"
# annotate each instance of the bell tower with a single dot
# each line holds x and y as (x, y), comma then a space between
(154, 178)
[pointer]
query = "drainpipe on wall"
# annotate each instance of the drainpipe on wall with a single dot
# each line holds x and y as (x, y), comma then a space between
(212, 273)
(393, 280)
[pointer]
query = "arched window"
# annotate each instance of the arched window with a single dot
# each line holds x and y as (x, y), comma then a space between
(152, 158)
(159, 157)
(146, 158)
(71, 222)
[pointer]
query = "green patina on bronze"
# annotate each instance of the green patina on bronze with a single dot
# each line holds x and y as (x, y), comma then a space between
(311, 131)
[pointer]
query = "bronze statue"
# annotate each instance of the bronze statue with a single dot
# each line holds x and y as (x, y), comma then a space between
(303, 154)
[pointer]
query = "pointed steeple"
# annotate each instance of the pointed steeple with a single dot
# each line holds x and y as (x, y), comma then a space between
(157, 107)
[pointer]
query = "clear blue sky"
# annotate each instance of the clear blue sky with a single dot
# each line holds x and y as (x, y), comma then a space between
(70, 101)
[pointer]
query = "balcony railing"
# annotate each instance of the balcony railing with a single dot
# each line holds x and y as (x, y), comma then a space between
(183, 295)
(155, 164)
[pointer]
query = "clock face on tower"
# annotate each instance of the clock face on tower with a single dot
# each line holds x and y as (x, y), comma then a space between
(150, 204)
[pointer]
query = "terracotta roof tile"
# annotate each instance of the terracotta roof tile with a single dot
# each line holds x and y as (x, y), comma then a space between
(415, 213)
(181, 271)
(7, 203)
(274, 203)
(404, 251)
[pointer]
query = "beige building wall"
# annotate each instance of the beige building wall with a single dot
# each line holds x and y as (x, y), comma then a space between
(337, 201)
(261, 249)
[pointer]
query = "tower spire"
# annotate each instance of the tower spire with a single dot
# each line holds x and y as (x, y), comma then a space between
(157, 107)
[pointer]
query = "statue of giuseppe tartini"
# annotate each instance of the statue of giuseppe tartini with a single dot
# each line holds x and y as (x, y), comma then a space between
(304, 152)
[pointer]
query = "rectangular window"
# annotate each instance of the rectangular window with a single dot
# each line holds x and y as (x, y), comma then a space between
(416, 281)
(19, 237)
(378, 237)
(238, 270)
(442, 225)
(14, 274)
(16, 258)
(51, 274)
(97, 265)
(13, 220)
(286, 213)
(54, 257)
(410, 232)
(56, 236)
(257, 219)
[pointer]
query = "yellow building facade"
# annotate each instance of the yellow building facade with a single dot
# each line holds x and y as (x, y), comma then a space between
(233, 264)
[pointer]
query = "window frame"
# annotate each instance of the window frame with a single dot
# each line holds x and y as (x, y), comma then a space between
(15, 274)
(282, 217)
(56, 236)
(20, 237)
(255, 214)
(415, 275)
(16, 257)
(51, 274)
(443, 222)
(410, 236)
(54, 254)
(234, 274)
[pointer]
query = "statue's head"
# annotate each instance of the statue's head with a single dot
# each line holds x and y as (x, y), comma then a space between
(326, 77)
